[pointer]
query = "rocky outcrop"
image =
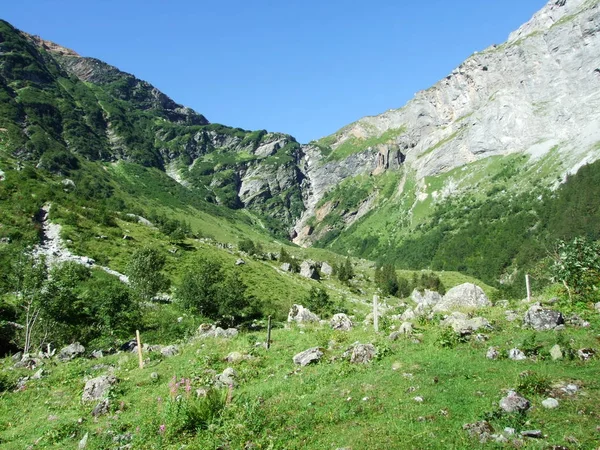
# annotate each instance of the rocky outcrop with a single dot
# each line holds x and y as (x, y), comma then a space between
(341, 322)
(541, 319)
(98, 388)
(310, 356)
(464, 296)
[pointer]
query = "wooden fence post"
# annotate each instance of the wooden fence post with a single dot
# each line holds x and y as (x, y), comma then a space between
(139, 348)
(269, 333)
(375, 312)
(528, 285)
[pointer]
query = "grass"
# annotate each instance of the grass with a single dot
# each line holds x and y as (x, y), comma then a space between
(329, 405)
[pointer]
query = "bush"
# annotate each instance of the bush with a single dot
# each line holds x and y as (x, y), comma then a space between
(145, 273)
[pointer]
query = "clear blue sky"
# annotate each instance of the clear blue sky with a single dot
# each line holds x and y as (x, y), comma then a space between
(302, 67)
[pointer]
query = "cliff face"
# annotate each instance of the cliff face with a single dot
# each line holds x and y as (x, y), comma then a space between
(537, 92)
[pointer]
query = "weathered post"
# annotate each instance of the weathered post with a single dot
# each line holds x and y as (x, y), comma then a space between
(269, 333)
(375, 312)
(528, 285)
(139, 348)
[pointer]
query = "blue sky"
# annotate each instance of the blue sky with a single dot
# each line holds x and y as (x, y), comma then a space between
(302, 67)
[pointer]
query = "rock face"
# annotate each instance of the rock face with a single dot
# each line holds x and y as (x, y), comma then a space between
(464, 296)
(312, 355)
(300, 314)
(341, 322)
(71, 351)
(541, 319)
(98, 388)
(514, 402)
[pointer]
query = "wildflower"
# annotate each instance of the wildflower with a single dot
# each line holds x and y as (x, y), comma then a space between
(162, 428)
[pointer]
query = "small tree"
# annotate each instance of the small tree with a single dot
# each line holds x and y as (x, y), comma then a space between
(318, 301)
(145, 273)
(576, 265)
(344, 271)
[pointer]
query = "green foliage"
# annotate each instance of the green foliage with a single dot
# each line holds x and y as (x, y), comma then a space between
(344, 271)
(576, 264)
(427, 280)
(532, 383)
(145, 273)
(448, 338)
(319, 302)
(247, 246)
(285, 257)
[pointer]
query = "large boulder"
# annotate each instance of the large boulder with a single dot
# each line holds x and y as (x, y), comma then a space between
(426, 297)
(540, 318)
(71, 351)
(464, 296)
(341, 322)
(460, 323)
(300, 314)
(326, 269)
(308, 269)
(362, 353)
(98, 388)
(312, 355)
(514, 402)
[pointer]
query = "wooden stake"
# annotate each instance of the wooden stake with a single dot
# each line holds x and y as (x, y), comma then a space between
(269, 333)
(139, 348)
(528, 285)
(375, 313)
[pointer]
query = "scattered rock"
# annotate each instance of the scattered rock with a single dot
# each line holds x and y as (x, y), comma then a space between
(550, 403)
(236, 357)
(207, 330)
(406, 329)
(101, 408)
(516, 355)
(511, 315)
(418, 399)
(312, 355)
(541, 319)
(300, 314)
(227, 378)
(71, 351)
(461, 324)
(286, 267)
(585, 354)
(28, 362)
(577, 321)
(514, 402)
(597, 307)
(240, 262)
(154, 376)
(83, 442)
(169, 350)
(17, 356)
(492, 353)
(464, 296)
(556, 352)
(535, 434)
(308, 269)
(409, 314)
(98, 388)
(426, 297)
(502, 304)
(362, 353)
(127, 238)
(326, 269)
(481, 430)
(97, 354)
(38, 375)
(341, 322)
(570, 389)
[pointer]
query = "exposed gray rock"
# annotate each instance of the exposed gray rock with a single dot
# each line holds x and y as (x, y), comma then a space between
(409, 314)
(516, 355)
(541, 319)
(207, 330)
(362, 353)
(556, 352)
(71, 351)
(550, 403)
(28, 362)
(481, 430)
(511, 316)
(17, 356)
(97, 354)
(461, 324)
(308, 269)
(406, 328)
(585, 354)
(464, 296)
(341, 322)
(240, 262)
(536, 434)
(83, 442)
(236, 357)
(38, 375)
(597, 307)
(312, 355)
(226, 378)
(286, 267)
(514, 402)
(300, 314)
(426, 297)
(101, 408)
(492, 353)
(577, 321)
(326, 269)
(169, 350)
(98, 388)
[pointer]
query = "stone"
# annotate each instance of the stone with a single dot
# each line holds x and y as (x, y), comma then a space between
(101, 408)
(502, 304)
(83, 442)
(38, 375)
(426, 297)
(300, 314)
(556, 352)
(71, 351)
(516, 355)
(169, 350)
(309, 270)
(492, 353)
(550, 403)
(464, 296)
(326, 269)
(511, 315)
(207, 330)
(154, 376)
(226, 378)
(341, 322)
(541, 319)
(461, 324)
(98, 388)
(481, 430)
(409, 314)
(535, 434)
(597, 307)
(577, 321)
(362, 353)
(235, 357)
(406, 328)
(310, 356)
(395, 335)
(17, 356)
(570, 389)
(240, 262)
(286, 267)
(514, 402)
(97, 354)
(585, 354)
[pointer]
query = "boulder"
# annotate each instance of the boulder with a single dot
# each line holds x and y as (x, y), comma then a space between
(362, 353)
(492, 353)
(514, 402)
(464, 296)
(585, 354)
(308, 269)
(426, 297)
(226, 378)
(516, 355)
(597, 307)
(540, 318)
(169, 350)
(556, 352)
(460, 323)
(326, 269)
(98, 388)
(207, 330)
(550, 403)
(101, 408)
(240, 262)
(300, 314)
(409, 314)
(71, 351)
(341, 322)
(312, 355)
(577, 321)
(286, 267)
(235, 357)
(481, 430)
(406, 329)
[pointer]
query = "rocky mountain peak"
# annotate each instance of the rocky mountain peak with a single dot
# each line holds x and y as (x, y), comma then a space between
(50, 46)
